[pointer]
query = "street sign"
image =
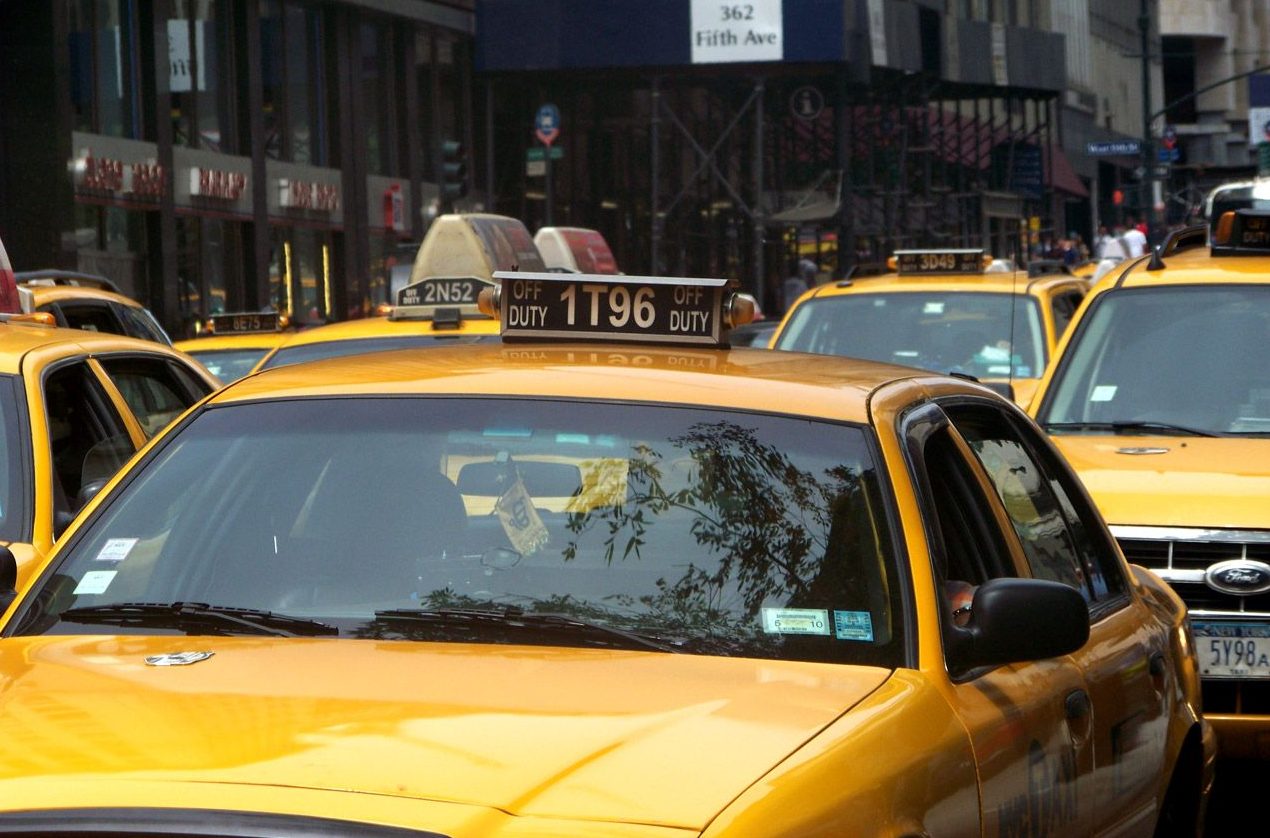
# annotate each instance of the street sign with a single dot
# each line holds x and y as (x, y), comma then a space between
(1122, 148)
(1169, 155)
(547, 124)
(807, 102)
(557, 153)
(1160, 172)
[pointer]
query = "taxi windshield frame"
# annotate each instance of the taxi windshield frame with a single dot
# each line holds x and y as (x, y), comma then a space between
(767, 547)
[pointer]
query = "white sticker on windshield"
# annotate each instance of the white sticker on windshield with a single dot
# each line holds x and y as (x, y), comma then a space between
(933, 308)
(853, 625)
(95, 582)
(795, 621)
(1103, 393)
(116, 549)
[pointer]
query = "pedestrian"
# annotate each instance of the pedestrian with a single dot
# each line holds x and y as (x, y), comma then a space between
(1113, 247)
(1135, 240)
(802, 280)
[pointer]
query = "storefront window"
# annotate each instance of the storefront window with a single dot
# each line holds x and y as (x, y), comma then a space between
(111, 242)
(209, 260)
(201, 79)
(105, 93)
(294, 72)
(300, 274)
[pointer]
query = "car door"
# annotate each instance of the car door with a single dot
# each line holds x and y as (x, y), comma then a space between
(1028, 722)
(1063, 540)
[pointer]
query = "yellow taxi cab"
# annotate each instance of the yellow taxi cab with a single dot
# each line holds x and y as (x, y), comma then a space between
(607, 578)
(233, 344)
(87, 301)
(1160, 399)
(74, 407)
(941, 310)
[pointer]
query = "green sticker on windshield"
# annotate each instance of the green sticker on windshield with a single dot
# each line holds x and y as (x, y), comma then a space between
(853, 625)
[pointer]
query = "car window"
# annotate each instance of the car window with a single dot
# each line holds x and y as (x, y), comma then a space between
(718, 532)
(155, 391)
(1064, 306)
(15, 493)
(140, 323)
(93, 317)
(88, 440)
(1057, 541)
(229, 364)
(985, 335)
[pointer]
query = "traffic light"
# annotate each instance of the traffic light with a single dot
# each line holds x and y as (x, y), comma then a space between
(453, 170)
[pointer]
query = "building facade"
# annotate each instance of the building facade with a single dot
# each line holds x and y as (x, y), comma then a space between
(222, 155)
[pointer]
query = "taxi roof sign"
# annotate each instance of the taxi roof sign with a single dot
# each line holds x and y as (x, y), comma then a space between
(246, 322)
(928, 262)
(1242, 232)
(642, 309)
(427, 298)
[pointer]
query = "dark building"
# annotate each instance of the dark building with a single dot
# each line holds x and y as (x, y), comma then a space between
(721, 139)
(228, 154)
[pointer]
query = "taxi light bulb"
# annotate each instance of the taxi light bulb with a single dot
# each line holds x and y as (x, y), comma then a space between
(1225, 226)
(487, 301)
(283, 321)
(740, 310)
(892, 263)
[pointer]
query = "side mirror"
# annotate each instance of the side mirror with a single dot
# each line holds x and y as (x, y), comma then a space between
(1021, 620)
(8, 578)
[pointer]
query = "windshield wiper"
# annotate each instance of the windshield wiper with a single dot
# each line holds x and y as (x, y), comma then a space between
(1129, 427)
(515, 618)
(200, 615)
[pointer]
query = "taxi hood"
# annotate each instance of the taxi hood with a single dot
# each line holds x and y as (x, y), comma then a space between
(589, 734)
(1174, 481)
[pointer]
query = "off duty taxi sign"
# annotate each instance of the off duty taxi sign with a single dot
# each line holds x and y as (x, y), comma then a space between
(638, 308)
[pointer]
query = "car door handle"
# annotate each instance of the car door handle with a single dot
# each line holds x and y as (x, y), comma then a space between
(1077, 705)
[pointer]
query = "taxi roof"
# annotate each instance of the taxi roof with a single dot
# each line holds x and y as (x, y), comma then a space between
(372, 327)
(18, 338)
(45, 294)
(1006, 282)
(1193, 266)
(745, 379)
(245, 340)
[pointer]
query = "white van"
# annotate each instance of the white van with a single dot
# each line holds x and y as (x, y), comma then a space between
(576, 249)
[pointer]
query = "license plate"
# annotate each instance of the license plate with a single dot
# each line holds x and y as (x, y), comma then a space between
(1233, 650)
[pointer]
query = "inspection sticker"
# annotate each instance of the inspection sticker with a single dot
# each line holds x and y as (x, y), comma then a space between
(95, 582)
(1103, 393)
(853, 625)
(116, 549)
(795, 621)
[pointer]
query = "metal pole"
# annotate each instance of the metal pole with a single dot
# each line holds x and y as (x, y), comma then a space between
(551, 197)
(758, 191)
(654, 141)
(1148, 147)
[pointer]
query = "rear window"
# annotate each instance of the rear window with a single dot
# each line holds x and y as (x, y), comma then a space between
(340, 348)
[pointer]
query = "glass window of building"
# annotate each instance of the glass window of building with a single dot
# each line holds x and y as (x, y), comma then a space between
(105, 74)
(201, 74)
(294, 82)
(376, 84)
(209, 260)
(111, 242)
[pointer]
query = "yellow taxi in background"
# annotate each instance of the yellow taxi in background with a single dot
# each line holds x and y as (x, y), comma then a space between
(437, 311)
(941, 310)
(74, 406)
(739, 622)
(233, 344)
(87, 301)
(1160, 399)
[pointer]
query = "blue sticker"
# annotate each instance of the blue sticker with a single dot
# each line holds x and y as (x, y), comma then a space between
(853, 625)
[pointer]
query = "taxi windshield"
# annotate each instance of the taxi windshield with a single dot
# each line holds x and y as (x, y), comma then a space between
(982, 334)
(14, 466)
(339, 348)
(496, 520)
(229, 364)
(1167, 360)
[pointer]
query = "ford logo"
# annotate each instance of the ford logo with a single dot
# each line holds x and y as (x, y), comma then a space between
(1241, 577)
